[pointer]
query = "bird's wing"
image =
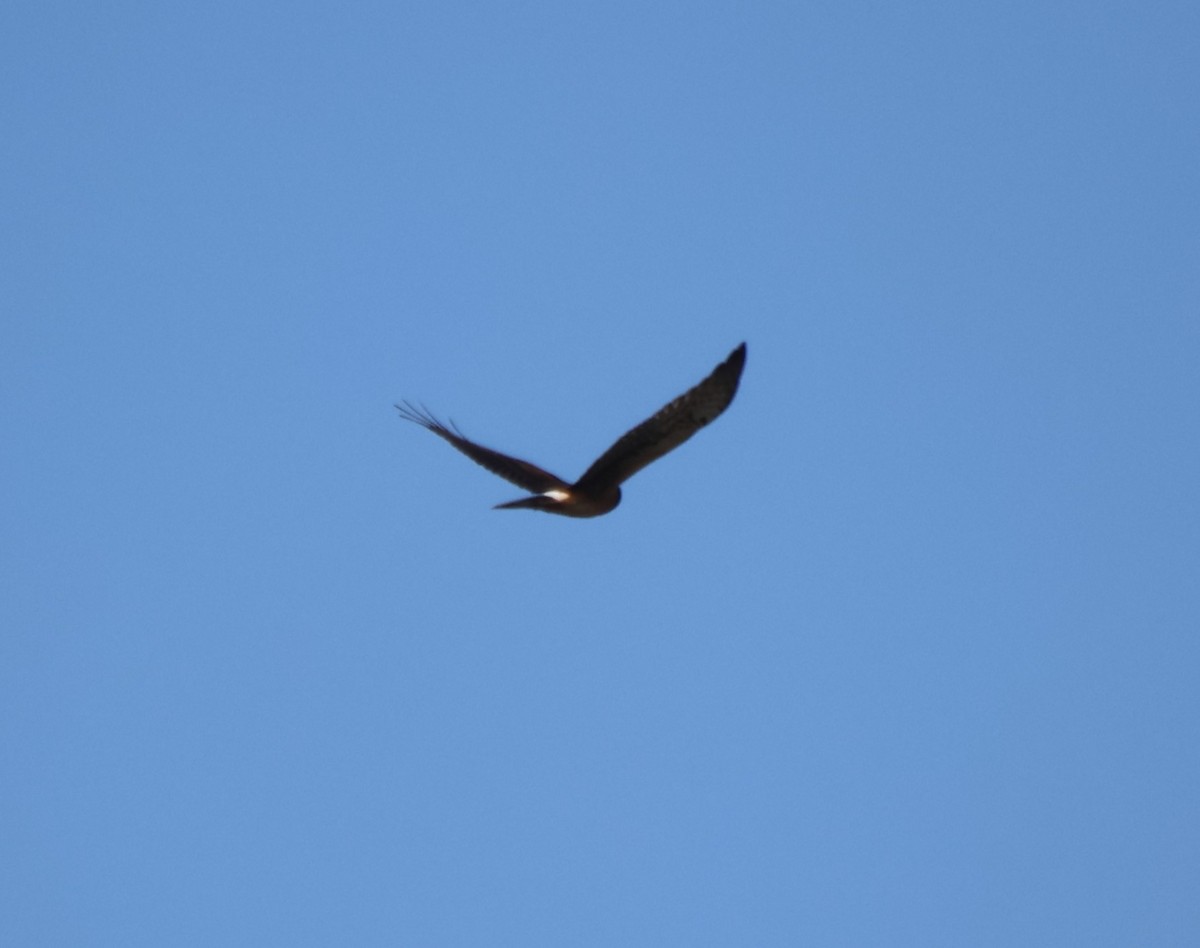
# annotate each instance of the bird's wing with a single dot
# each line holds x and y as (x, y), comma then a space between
(519, 472)
(669, 427)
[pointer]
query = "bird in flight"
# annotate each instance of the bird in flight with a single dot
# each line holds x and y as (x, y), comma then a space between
(599, 490)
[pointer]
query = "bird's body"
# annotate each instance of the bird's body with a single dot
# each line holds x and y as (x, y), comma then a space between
(599, 489)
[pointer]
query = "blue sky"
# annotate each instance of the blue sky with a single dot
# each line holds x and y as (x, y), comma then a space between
(901, 651)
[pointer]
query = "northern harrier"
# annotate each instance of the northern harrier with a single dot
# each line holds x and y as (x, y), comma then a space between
(599, 490)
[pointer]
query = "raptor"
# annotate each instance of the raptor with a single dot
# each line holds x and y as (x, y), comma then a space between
(599, 489)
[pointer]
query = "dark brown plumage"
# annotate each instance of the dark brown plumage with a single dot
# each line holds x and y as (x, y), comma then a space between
(599, 489)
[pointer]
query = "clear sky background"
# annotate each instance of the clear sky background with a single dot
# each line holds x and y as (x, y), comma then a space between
(903, 650)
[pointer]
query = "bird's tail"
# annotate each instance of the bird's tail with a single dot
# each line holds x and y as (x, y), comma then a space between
(536, 502)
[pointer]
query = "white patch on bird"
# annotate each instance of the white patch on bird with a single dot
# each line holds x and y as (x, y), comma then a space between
(556, 494)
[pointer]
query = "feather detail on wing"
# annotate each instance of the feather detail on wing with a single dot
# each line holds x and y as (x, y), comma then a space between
(522, 473)
(669, 427)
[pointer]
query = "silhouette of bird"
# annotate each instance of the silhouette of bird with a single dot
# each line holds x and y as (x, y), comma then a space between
(599, 490)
